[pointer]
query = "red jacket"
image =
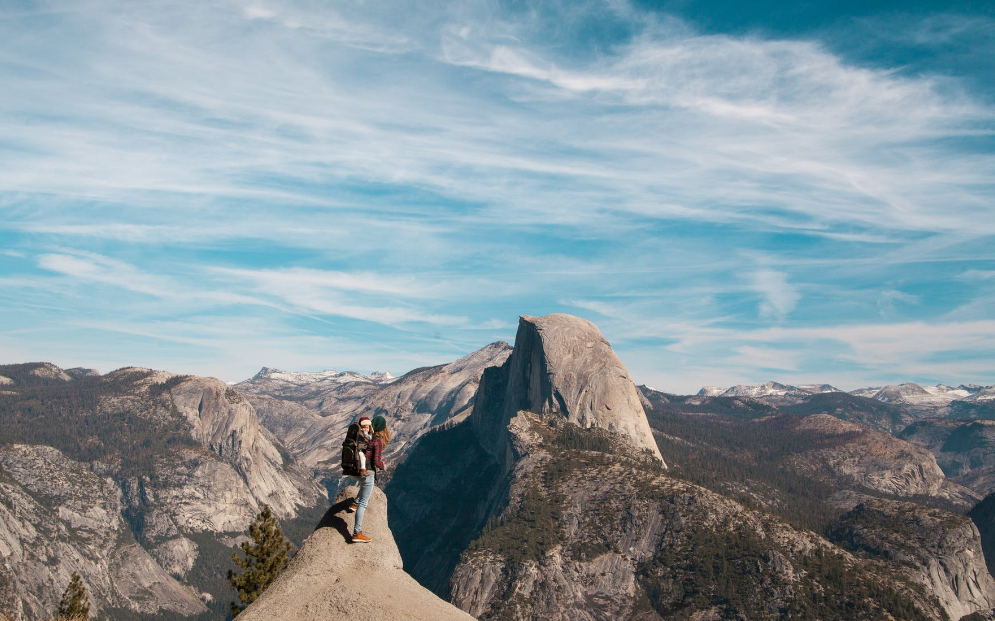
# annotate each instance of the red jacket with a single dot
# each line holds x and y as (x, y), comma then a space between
(374, 453)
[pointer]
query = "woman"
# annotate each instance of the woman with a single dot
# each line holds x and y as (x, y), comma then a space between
(374, 464)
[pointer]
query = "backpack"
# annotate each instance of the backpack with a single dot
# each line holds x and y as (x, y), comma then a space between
(352, 446)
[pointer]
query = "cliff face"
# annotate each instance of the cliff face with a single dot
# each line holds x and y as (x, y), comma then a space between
(965, 450)
(878, 462)
(938, 549)
(522, 512)
(562, 364)
(588, 534)
(225, 423)
(57, 517)
(329, 578)
(147, 477)
(455, 479)
(412, 404)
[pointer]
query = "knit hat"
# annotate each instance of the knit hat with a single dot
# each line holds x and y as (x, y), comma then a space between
(379, 423)
(362, 419)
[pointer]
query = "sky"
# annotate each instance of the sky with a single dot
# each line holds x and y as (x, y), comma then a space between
(732, 192)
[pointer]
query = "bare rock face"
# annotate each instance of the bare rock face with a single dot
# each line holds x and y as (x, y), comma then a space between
(176, 556)
(57, 517)
(965, 450)
(879, 462)
(594, 536)
(223, 421)
(150, 474)
(194, 492)
(563, 364)
(313, 426)
(48, 371)
(330, 578)
(936, 548)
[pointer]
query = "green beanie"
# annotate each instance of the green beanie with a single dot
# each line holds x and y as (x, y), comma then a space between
(379, 423)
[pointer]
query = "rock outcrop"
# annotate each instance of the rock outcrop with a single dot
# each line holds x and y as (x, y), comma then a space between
(57, 517)
(965, 450)
(590, 535)
(938, 549)
(878, 462)
(330, 578)
(224, 422)
(562, 364)
(147, 475)
(312, 426)
(456, 478)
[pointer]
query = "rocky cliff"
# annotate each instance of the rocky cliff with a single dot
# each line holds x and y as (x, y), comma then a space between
(456, 477)
(965, 450)
(138, 479)
(878, 462)
(313, 425)
(57, 517)
(938, 549)
(590, 534)
(562, 364)
(329, 578)
(225, 423)
(543, 505)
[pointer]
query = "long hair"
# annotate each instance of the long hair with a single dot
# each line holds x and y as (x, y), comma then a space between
(384, 435)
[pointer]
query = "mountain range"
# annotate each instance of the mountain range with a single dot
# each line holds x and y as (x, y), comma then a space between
(526, 482)
(909, 394)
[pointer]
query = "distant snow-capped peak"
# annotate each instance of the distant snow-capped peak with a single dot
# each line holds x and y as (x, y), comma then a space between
(911, 393)
(331, 376)
(985, 394)
(767, 389)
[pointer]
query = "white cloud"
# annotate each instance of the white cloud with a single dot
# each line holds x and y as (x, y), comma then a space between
(432, 167)
(887, 299)
(712, 126)
(750, 357)
(779, 297)
(89, 267)
(360, 281)
(295, 290)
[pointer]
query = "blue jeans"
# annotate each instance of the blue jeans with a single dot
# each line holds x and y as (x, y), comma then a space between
(363, 498)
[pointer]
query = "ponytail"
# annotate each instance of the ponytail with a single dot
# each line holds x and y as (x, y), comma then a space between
(384, 436)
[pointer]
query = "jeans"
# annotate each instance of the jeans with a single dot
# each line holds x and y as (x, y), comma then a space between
(363, 498)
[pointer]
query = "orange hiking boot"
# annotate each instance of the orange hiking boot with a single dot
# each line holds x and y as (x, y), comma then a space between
(360, 538)
(352, 508)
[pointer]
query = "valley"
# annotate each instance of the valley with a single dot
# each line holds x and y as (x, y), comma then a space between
(524, 482)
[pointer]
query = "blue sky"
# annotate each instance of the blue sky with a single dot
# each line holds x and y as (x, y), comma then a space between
(798, 193)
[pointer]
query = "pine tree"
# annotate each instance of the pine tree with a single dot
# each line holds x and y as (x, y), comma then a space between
(74, 604)
(265, 557)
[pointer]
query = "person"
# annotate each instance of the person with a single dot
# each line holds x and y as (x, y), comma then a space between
(366, 434)
(374, 462)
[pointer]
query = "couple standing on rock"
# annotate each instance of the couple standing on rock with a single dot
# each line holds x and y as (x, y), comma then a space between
(376, 437)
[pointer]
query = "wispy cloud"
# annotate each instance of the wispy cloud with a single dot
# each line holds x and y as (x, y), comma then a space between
(778, 297)
(95, 268)
(423, 174)
(887, 299)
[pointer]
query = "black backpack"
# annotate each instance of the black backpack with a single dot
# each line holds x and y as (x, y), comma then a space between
(352, 446)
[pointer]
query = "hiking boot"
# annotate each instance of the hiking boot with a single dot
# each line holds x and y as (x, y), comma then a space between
(352, 508)
(360, 538)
